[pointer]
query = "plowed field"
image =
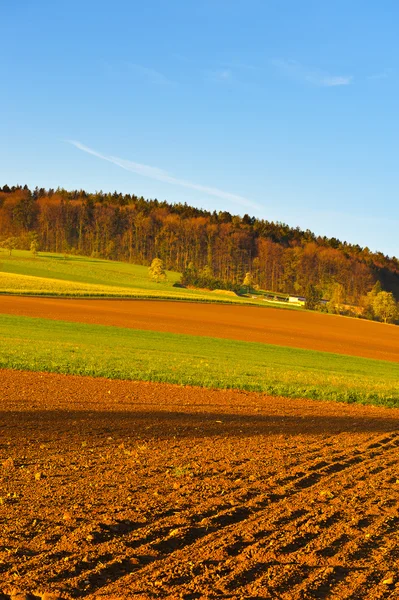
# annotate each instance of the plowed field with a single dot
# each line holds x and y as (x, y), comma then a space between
(272, 326)
(115, 489)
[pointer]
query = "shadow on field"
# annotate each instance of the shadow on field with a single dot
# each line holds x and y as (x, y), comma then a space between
(163, 424)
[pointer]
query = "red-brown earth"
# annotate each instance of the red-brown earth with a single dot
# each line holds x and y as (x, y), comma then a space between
(268, 325)
(115, 489)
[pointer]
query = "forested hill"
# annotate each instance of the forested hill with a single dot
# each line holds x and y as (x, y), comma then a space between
(129, 228)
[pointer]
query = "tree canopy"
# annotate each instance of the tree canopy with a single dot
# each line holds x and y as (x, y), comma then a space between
(385, 307)
(221, 247)
(156, 270)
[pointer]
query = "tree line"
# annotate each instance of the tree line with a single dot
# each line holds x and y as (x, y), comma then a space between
(216, 245)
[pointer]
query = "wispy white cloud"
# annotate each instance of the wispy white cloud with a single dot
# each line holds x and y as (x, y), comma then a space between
(244, 66)
(237, 66)
(161, 175)
(384, 74)
(313, 76)
(150, 75)
(229, 72)
(333, 80)
(222, 75)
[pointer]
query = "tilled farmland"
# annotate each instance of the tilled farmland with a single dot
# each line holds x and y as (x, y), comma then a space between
(297, 329)
(115, 489)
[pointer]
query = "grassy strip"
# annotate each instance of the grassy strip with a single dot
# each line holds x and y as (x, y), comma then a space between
(117, 353)
(79, 276)
(28, 285)
(81, 269)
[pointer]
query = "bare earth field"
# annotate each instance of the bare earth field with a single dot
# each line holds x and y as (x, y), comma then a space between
(115, 489)
(269, 325)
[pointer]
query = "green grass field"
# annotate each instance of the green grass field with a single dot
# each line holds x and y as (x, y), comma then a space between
(54, 275)
(113, 352)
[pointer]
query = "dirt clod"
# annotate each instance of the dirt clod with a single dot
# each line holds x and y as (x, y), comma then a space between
(8, 463)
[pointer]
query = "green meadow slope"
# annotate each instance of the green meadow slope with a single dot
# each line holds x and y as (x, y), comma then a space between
(114, 352)
(55, 275)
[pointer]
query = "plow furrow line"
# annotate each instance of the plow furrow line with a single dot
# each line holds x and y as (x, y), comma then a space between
(163, 546)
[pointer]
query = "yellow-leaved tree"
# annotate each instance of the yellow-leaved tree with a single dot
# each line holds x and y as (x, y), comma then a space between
(248, 281)
(157, 271)
(385, 307)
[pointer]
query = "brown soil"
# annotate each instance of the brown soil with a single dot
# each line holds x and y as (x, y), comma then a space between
(269, 325)
(115, 489)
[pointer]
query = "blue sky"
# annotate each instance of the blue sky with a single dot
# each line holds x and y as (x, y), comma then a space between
(282, 109)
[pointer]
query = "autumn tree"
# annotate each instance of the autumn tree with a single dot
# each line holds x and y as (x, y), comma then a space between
(206, 272)
(129, 228)
(375, 290)
(157, 271)
(385, 307)
(34, 247)
(313, 296)
(248, 281)
(337, 300)
(367, 302)
(10, 244)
